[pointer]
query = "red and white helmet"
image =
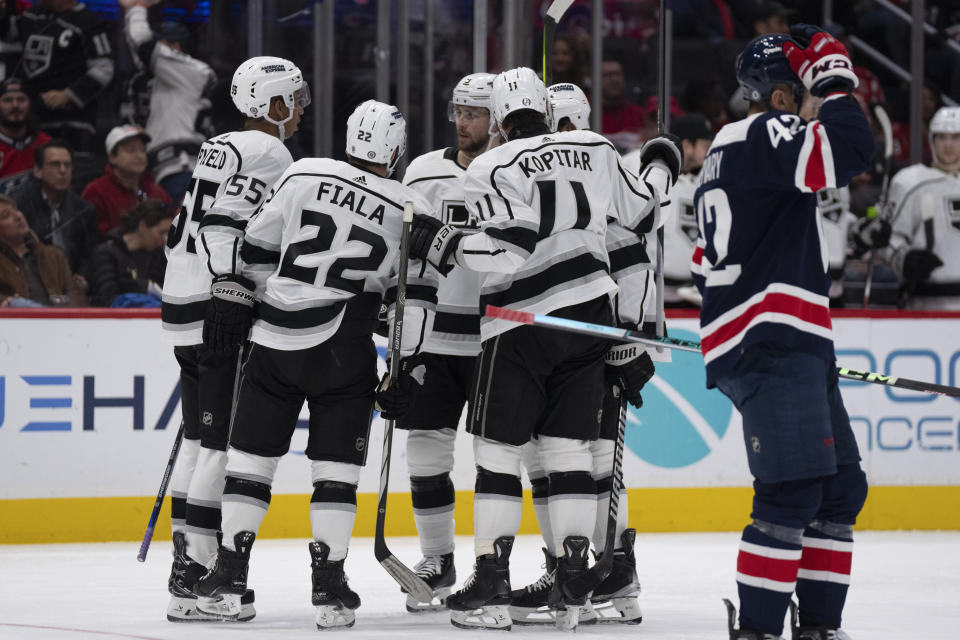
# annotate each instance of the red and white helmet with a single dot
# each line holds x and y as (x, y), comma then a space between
(375, 131)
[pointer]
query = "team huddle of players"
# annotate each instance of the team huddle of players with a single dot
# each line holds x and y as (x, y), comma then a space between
(280, 272)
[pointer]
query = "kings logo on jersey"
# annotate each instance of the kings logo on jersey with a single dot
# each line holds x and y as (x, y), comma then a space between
(37, 53)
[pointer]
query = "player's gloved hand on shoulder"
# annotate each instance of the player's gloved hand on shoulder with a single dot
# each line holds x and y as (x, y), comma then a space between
(629, 367)
(918, 264)
(819, 60)
(229, 314)
(433, 241)
(394, 399)
(666, 149)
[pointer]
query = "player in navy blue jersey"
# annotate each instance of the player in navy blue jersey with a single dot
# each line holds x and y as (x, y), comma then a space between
(761, 266)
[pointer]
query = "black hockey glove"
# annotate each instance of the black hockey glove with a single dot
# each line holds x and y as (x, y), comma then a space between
(395, 399)
(918, 264)
(229, 314)
(629, 367)
(666, 149)
(870, 234)
(819, 60)
(433, 241)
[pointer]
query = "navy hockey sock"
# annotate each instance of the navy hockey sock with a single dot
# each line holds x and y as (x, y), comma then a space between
(766, 575)
(824, 575)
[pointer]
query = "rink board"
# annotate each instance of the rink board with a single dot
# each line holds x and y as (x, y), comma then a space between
(89, 408)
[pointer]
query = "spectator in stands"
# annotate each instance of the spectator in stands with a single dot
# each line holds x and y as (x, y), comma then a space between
(68, 59)
(53, 211)
(569, 62)
(126, 180)
(178, 117)
(131, 259)
(32, 274)
(623, 120)
(19, 136)
(707, 97)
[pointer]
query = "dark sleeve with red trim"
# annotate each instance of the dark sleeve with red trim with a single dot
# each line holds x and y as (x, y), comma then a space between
(823, 153)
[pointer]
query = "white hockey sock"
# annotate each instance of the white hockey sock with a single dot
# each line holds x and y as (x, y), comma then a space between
(246, 493)
(203, 505)
(429, 462)
(180, 482)
(333, 506)
(498, 497)
(540, 488)
(572, 492)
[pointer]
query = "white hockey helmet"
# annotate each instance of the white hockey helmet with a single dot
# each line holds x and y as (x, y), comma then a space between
(516, 90)
(472, 91)
(567, 100)
(259, 80)
(945, 120)
(375, 131)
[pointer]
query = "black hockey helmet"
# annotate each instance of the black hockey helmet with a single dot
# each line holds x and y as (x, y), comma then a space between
(761, 66)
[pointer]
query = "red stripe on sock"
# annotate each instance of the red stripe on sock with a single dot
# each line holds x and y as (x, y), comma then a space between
(815, 559)
(769, 568)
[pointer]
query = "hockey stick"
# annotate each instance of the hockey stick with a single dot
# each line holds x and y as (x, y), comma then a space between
(405, 577)
(661, 121)
(590, 579)
(550, 21)
(884, 120)
(148, 534)
(626, 335)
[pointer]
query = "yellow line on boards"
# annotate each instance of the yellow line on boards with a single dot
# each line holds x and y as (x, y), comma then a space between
(48, 520)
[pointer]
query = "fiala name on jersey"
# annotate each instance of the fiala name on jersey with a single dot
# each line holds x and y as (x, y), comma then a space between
(573, 158)
(351, 200)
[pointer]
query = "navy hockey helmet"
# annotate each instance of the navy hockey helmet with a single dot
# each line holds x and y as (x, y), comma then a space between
(762, 65)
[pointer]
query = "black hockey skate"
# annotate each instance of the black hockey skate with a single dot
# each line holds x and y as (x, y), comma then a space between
(530, 605)
(332, 596)
(743, 634)
(484, 601)
(221, 589)
(615, 599)
(440, 574)
(183, 601)
(812, 633)
(572, 563)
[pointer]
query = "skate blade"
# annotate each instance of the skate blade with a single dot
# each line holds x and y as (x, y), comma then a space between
(528, 616)
(332, 617)
(439, 602)
(227, 605)
(493, 617)
(568, 619)
(185, 610)
(618, 611)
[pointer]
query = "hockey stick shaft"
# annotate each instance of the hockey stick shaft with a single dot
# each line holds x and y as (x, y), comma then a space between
(405, 577)
(588, 581)
(661, 126)
(550, 21)
(884, 120)
(148, 534)
(626, 335)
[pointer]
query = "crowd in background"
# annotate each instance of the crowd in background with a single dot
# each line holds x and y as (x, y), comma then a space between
(100, 120)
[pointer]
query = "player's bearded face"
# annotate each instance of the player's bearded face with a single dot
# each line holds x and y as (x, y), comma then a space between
(473, 126)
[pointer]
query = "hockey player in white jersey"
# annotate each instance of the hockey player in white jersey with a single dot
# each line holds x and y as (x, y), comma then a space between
(543, 200)
(232, 177)
(924, 211)
(324, 252)
(833, 205)
(680, 220)
(450, 352)
(632, 270)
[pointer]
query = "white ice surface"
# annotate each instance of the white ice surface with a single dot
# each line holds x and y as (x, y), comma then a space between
(906, 585)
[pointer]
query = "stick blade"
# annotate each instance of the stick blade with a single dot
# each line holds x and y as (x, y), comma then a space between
(579, 586)
(405, 577)
(558, 8)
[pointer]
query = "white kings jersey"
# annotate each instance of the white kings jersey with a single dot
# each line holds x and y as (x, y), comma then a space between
(544, 202)
(456, 326)
(923, 209)
(833, 205)
(233, 177)
(325, 250)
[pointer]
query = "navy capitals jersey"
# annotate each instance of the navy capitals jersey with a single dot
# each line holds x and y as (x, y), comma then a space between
(761, 261)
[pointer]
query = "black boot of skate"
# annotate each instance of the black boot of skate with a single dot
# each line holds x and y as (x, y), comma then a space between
(572, 563)
(332, 596)
(615, 599)
(221, 589)
(183, 577)
(812, 633)
(483, 602)
(743, 634)
(440, 575)
(530, 605)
